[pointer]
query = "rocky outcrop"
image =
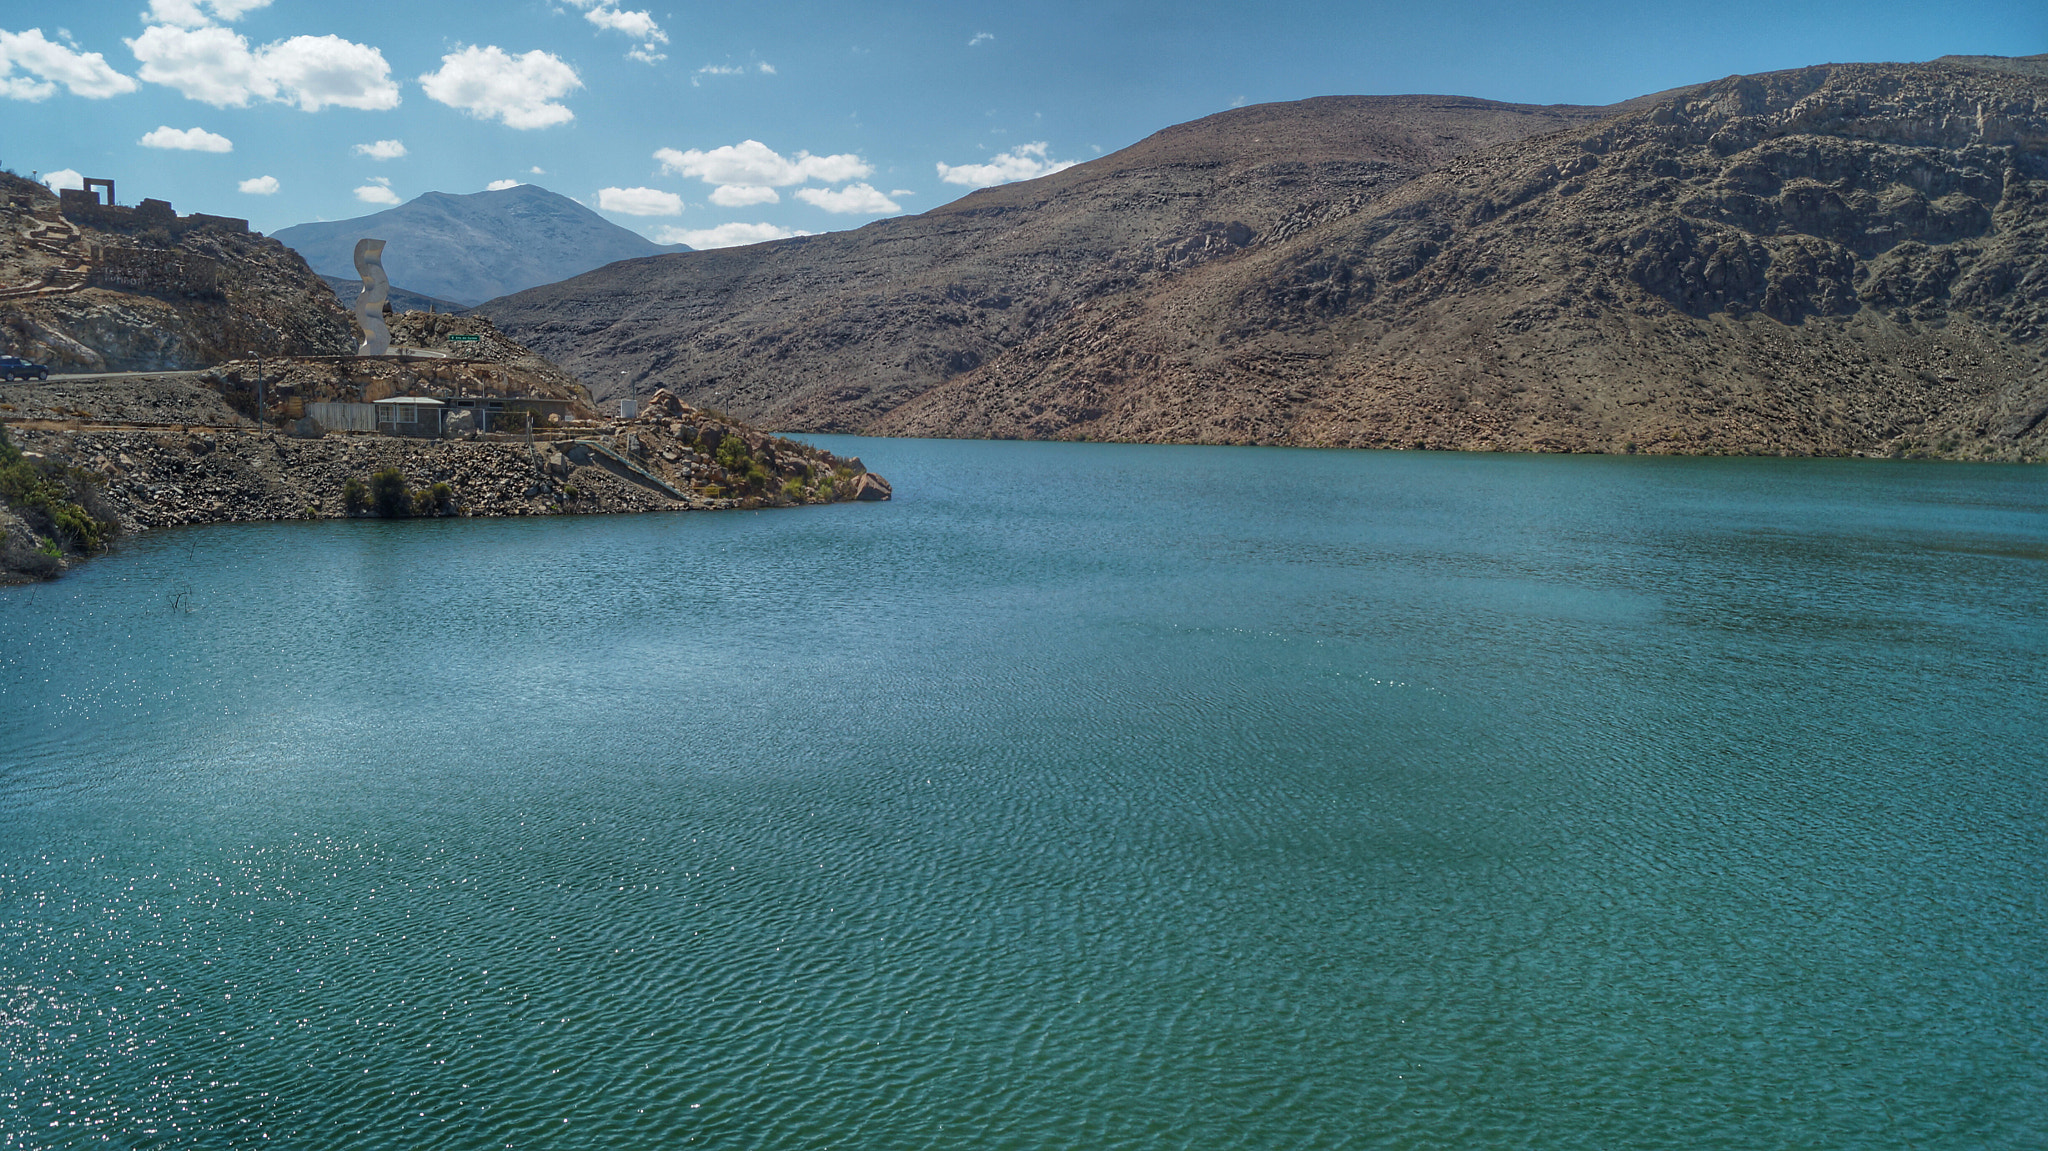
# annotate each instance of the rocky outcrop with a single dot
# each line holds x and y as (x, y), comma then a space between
(113, 292)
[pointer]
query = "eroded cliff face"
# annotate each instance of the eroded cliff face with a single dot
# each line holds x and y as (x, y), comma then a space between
(98, 297)
(1842, 259)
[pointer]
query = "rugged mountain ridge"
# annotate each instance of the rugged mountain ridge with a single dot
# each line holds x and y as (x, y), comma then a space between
(468, 248)
(1839, 259)
(831, 332)
(1845, 258)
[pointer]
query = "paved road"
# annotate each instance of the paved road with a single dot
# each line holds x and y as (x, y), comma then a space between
(79, 378)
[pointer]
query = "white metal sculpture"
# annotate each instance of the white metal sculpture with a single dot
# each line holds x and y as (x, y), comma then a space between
(370, 305)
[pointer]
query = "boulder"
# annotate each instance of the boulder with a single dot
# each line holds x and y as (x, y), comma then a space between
(871, 487)
(307, 428)
(461, 422)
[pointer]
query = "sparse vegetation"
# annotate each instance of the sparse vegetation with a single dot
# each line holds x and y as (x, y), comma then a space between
(64, 506)
(355, 496)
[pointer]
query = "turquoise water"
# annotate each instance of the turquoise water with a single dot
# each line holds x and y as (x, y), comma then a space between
(1085, 796)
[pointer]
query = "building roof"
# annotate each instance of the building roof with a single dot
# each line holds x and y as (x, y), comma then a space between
(411, 400)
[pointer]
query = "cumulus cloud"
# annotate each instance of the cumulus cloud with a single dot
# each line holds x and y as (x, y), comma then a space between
(63, 178)
(537, 170)
(381, 150)
(639, 25)
(377, 191)
(639, 201)
(742, 195)
(199, 13)
(751, 163)
(491, 83)
(260, 186)
(981, 38)
(49, 64)
(216, 66)
(854, 199)
(186, 140)
(500, 185)
(1024, 162)
(724, 235)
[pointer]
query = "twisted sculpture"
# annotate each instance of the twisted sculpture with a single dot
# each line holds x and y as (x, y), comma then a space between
(370, 305)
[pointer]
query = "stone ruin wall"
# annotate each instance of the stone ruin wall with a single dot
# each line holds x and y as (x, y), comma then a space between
(155, 271)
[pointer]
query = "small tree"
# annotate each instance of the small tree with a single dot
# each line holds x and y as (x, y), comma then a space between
(390, 494)
(355, 496)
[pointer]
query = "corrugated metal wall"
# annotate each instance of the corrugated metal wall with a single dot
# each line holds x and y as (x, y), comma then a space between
(344, 417)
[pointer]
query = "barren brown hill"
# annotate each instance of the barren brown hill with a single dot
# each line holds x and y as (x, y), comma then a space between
(1846, 258)
(1835, 259)
(833, 331)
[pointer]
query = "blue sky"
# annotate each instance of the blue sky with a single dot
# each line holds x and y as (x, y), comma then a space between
(715, 124)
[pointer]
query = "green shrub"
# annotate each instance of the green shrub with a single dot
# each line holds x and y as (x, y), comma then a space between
(355, 496)
(734, 455)
(793, 487)
(65, 502)
(390, 495)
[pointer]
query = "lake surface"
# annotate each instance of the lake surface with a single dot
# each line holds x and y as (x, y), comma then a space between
(1085, 796)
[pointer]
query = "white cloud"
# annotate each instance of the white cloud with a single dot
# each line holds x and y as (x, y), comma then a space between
(195, 14)
(186, 140)
(640, 26)
(537, 170)
(50, 64)
(260, 186)
(724, 235)
(981, 38)
(741, 195)
(216, 66)
(752, 163)
(63, 178)
(901, 192)
(381, 150)
(760, 66)
(854, 199)
(639, 201)
(501, 185)
(490, 83)
(378, 193)
(1024, 162)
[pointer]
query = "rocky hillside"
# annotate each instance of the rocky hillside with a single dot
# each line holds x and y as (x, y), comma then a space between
(1848, 258)
(831, 332)
(470, 248)
(150, 294)
(1840, 259)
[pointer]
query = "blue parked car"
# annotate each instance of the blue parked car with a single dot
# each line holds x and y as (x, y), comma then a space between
(15, 368)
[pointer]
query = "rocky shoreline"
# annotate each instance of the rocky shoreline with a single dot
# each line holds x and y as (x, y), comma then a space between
(213, 466)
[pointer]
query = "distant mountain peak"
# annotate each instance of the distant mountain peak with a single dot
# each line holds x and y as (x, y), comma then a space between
(470, 247)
